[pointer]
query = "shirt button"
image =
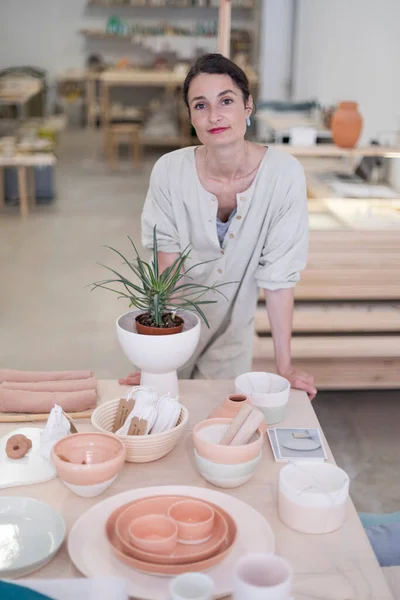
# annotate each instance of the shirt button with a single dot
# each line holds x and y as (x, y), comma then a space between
(231, 235)
(222, 251)
(243, 198)
(219, 270)
(238, 217)
(213, 199)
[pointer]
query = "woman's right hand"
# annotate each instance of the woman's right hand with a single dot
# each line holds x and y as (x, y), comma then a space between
(131, 379)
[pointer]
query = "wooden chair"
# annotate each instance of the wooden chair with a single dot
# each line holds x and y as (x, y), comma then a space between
(116, 132)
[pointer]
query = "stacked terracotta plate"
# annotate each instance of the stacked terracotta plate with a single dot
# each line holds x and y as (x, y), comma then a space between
(186, 557)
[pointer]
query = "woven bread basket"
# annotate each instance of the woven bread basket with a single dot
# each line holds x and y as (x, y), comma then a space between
(140, 448)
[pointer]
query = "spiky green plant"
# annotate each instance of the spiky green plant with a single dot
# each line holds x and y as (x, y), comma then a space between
(160, 293)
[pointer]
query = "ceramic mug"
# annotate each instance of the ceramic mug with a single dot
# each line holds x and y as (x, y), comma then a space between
(262, 577)
(191, 586)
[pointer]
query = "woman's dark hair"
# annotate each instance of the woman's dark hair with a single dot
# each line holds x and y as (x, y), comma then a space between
(217, 64)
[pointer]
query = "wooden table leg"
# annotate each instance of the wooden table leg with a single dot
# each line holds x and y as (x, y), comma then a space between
(23, 192)
(113, 149)
(105, 112)
(90, 101)
(2, 190)
(137, 148)
(31, 185)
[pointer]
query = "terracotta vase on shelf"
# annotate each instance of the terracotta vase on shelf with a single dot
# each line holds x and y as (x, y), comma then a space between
(346, 125)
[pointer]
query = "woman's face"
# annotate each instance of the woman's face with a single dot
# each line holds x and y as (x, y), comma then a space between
(217, 109)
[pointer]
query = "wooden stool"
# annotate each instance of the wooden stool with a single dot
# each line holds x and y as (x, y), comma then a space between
(133, 131)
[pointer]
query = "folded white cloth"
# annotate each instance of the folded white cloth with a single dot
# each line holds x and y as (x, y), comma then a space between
(168, 412)
(161, 413)
(145, 408)
(57, 427)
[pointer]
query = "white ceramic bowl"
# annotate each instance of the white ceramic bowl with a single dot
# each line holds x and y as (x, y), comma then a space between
(267, 391)
(226, 476)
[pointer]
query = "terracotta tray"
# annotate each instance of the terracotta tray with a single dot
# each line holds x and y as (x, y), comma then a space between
(170, 569)
(224, 527)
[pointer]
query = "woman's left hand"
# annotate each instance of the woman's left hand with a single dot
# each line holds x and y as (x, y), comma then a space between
(300, 380)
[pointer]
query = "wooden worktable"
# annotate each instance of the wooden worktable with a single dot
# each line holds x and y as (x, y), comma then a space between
(337, 566)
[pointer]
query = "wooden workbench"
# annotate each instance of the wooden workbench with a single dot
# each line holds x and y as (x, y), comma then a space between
(337, 566)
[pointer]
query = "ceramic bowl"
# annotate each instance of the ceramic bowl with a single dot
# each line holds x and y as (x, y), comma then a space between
(140, 448)
(267, 391)
(226, 476)
(154, 533)
(88, 463)
(195, 521)
(208, 434)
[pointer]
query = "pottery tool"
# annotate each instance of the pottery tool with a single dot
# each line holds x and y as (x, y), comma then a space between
(249, 427)
(236, 424)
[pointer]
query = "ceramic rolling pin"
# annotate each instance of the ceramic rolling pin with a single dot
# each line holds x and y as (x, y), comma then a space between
(236, 424)
(249, 427)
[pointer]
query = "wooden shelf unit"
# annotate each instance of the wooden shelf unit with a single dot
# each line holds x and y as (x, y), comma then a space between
(333, 151)
(149, 4)
(346, 325)
(105, 35)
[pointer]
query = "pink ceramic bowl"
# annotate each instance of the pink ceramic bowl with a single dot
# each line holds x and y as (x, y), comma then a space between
(87, 460)
(195, 521)
(157, 534)
(208, 434)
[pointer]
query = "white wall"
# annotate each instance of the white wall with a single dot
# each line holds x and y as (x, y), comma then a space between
(275, 49)
(349, 50)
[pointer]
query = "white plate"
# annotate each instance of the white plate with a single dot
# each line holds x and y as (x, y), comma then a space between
(302, 445)
(32, 468)
(94, 557)
(31, 532)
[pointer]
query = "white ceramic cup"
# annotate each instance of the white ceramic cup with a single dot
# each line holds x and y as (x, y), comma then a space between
(191, 586)
(262, 577)
(267, 392)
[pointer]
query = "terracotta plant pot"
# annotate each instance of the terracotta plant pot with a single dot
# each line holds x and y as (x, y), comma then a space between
(230, 407)
(146, 330)
(346, 125)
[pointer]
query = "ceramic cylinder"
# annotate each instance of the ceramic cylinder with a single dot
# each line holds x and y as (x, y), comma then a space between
(191, 586)
(262, 577)
(313, 497)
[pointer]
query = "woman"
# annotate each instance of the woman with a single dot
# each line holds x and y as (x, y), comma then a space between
(240, 203)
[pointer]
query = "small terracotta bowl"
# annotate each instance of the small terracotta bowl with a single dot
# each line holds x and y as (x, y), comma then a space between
(208, 434)
(88, 463)
(195, 521)
(157, 534)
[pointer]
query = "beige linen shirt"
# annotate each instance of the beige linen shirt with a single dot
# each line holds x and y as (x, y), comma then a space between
(265, 247)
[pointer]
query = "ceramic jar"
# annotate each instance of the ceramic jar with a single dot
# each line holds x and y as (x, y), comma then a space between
(230, 407)
(346, 125)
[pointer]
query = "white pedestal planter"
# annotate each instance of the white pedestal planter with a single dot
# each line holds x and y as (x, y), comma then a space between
(158, 356)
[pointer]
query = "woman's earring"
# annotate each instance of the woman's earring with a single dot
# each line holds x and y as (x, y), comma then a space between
(248, 121)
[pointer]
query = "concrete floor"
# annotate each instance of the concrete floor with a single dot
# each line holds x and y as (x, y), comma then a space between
(49, 318)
